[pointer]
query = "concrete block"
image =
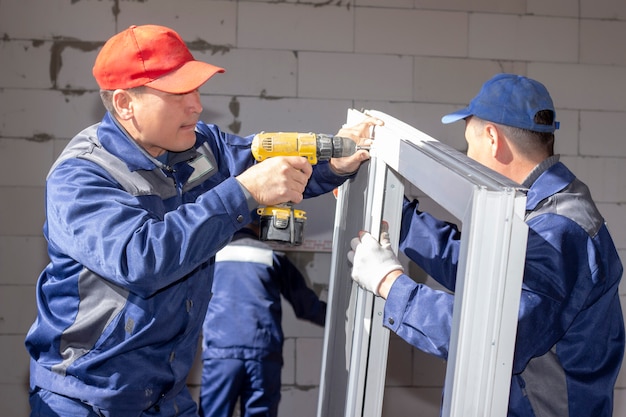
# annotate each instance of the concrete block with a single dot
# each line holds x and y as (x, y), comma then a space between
(523, 38)
(17, 308)
(298, 402)
(247, 116)
(222, 111)
(308, 361)
(14, 399)
(604, 176)
(358, 76)
(21, 211)
(456, 81)
(561, 8)
(28, 113)
(401, 31)
(407, 4)
(324, 116)
(294, 327)
(591, 87)
(14, 360)
(24, 163)
(288, 373)
(252, 72)
(58, 146)
(602, 134)
(601, 42)
(74, 67)
(301, 27)
(203, 24)
(315, 266)
(24, 64)
(619, 402)
(402, 401)
(428, 370)
(13, 251)
(567, 139)
(399, 362)
(603, 9)
(91, 20)
(614, 215)
(495, 6)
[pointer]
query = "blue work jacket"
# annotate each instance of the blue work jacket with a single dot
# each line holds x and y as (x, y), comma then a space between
(570, 335)
(131, 243)
(244, 316)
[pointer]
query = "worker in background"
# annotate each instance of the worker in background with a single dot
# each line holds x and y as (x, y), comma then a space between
(570, 335)
(242, 333)
(137, 206)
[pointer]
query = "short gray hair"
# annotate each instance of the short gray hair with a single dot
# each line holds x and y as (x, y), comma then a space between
(107, 97)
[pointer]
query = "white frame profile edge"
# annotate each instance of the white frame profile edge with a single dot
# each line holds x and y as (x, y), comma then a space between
(491, 211)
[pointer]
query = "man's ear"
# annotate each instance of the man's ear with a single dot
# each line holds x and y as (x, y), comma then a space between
(123, 104)
(500, 146)
(492, 136)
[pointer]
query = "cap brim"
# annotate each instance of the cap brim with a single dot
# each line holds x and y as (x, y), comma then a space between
(187, 78)
(456, 116)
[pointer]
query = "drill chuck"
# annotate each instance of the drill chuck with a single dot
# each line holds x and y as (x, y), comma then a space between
(334, 147)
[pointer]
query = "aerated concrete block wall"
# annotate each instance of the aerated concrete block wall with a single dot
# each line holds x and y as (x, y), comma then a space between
(299, 65)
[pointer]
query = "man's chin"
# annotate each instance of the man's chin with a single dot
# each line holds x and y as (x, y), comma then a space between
(187, 140)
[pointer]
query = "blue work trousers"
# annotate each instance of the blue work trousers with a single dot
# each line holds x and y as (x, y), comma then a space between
(255, 383)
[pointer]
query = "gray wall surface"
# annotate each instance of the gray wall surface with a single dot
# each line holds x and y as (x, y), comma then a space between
(299, 65)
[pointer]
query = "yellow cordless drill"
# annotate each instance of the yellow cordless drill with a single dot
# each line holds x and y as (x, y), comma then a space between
(282, 222)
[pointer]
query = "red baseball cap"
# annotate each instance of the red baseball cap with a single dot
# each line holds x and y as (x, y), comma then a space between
(150, 55)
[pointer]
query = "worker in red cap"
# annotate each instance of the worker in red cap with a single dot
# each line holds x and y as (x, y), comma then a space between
(137, 206)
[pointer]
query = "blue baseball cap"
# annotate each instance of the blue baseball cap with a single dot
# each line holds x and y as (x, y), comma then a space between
(511, 100)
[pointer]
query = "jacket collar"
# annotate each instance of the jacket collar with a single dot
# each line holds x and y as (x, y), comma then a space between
(116, 140)
(546, 179)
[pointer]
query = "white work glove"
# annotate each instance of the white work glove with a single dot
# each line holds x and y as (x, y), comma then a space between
(372, 261)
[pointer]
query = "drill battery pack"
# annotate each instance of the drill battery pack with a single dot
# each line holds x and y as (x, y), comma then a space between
(281, 224)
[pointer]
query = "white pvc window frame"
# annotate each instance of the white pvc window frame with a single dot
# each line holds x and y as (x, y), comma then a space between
(491, 211)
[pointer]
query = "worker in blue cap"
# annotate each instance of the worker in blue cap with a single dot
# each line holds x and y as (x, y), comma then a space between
(570, 335)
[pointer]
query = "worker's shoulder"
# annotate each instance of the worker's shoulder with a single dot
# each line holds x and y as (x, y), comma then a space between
(575, 204)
